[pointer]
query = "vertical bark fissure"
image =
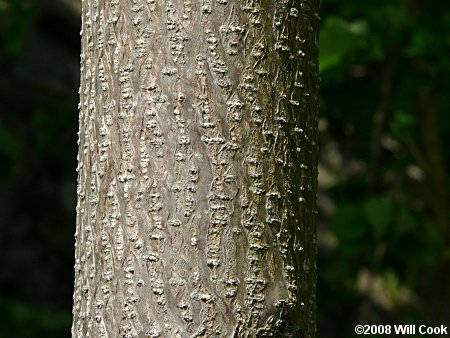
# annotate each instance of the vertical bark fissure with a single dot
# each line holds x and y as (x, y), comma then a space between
(197, 169)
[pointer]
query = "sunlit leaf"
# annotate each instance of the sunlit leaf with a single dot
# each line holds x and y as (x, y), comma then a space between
(338, 38)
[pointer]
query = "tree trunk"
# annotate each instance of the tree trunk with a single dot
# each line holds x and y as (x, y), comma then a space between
(197, 169)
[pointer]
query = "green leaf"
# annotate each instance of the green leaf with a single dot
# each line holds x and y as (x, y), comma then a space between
(338, 38)
(422, 40)
(402, 123)
(379, 213)
(348, 223)
(405, 222)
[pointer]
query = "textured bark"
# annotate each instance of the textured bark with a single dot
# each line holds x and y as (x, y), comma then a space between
(197, 169)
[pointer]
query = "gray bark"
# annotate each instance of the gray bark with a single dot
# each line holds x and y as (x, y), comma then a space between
(197, 169)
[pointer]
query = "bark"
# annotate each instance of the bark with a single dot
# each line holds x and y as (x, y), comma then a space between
(197, 169)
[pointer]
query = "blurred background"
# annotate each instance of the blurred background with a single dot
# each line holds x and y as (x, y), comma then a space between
(384, 220)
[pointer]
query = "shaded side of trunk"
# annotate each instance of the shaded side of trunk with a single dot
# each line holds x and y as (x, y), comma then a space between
(197, 169)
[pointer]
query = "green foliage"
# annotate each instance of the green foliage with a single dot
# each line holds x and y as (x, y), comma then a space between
(377, 59)
(338, 39)
(22, 321)
(379, 213)
(14, 17)
(376, 56)
(349, 223)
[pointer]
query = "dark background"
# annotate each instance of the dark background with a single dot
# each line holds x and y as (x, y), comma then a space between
(384, 224)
